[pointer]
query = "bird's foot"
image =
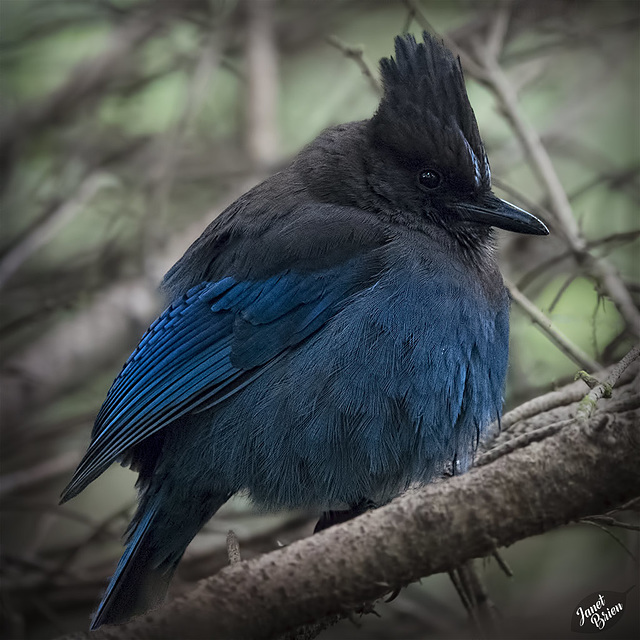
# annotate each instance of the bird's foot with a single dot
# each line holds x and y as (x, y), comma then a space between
(329, 518)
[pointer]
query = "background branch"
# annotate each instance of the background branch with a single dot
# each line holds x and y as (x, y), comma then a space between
(88, 81)
(262, 138)
(52, 223)
(599, 268)
(356, 53)
(561, 341)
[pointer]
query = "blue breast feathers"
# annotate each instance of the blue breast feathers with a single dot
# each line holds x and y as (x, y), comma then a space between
(398, 384)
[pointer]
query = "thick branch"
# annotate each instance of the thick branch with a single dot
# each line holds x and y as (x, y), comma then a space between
(262, 84)
(526, 492)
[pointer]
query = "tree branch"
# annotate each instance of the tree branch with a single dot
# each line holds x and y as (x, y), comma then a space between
(599, 269)
(356, 53)
(525, 492)
(53, 223)
(88, 81)
(561, 341)
(587, 405)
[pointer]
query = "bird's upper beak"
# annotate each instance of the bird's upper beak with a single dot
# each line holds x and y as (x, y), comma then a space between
(499, 213)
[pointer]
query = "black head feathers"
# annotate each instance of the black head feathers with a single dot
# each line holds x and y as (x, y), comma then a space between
(425, 117)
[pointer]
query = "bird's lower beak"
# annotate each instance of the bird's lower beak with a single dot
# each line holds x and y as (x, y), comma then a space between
(504, 215)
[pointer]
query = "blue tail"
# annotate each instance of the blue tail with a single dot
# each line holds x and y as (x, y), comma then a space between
(162, 529)
(137, 585)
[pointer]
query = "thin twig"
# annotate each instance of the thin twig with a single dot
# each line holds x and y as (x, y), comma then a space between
(609, 278)
(613, 522)
(356, 53)
(483, 606)
(632, 505)
(610, 533)
(562, 342)
(502, 563)
(408, 20)
(53, 223)
(528, 278)
(551, 400)
(462, 594)
(588, 404)
(591, 381)
(498, 31)
(565, 285)
(521, 441)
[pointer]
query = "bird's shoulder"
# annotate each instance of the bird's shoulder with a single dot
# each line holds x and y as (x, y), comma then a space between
(274, 228)
(430, 265)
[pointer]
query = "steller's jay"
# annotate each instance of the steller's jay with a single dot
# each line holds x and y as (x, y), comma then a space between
(337, 334)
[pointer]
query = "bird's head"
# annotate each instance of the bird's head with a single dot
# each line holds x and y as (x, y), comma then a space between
(426, 157)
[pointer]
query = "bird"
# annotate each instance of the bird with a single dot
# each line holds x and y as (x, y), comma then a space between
(338, 334)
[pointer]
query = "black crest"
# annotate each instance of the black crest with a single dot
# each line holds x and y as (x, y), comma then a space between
(425, 115)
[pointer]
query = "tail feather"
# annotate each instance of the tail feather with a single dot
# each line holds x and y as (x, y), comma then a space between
(138, 584)
(158, 536)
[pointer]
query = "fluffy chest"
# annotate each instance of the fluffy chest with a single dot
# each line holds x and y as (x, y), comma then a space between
(425, 337)
(392, 388)
(397, 385)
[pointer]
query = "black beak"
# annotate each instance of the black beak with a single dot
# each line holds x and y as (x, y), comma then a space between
(493, 211)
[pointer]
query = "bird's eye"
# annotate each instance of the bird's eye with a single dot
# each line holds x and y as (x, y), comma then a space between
(429, 178)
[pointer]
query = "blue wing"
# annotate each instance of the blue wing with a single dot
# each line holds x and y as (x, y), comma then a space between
(208, 345)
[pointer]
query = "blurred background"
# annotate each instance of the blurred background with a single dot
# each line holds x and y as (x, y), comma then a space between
(126, 126)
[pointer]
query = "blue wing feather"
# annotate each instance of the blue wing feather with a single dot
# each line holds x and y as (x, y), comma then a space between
(209, 344)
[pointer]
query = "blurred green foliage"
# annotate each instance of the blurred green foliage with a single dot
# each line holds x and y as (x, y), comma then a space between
(581, 92)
